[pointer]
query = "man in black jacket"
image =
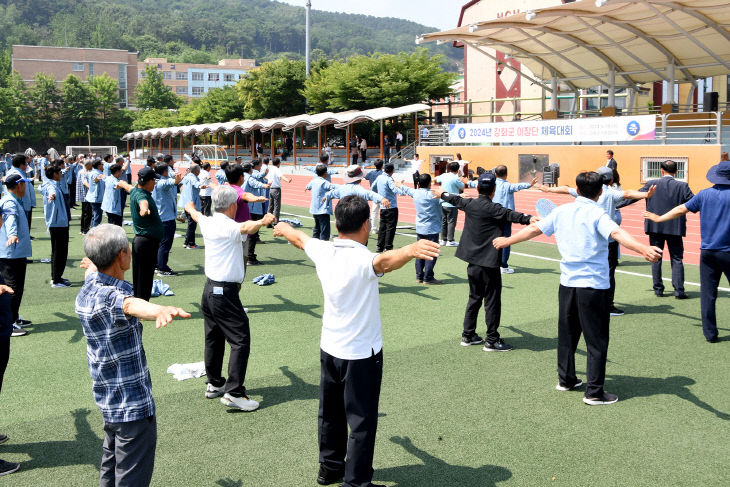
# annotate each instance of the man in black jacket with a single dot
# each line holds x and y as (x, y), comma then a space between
(669, 193)
(484, 222)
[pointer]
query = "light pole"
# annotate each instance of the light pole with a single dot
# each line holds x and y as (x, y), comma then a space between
(88, 133)
(308, 40)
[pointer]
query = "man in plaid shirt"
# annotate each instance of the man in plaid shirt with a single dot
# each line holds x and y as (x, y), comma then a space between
(121, 383)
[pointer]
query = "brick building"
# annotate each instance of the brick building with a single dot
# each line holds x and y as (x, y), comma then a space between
(60, 62)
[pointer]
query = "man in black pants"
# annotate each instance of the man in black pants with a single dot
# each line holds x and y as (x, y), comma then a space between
(15, 245)
(6, 329)
(669, 194)
(56, 216)
(582, 230)
(351, 353)
(225, 319)
(484, 223)
(388, 189)
(147, 233)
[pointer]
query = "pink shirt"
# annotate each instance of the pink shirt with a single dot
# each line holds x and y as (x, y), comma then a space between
(242, 212)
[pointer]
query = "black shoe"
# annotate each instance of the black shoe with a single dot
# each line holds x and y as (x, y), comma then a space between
(22, 322)
(327, 477)
(167, 273)
(3, 439)
(498, 346)
(659, 294)
(253, 262)
(681, 296)
(563, 387)
(712, 340)
(8, 467)
(472, 340)
(616, 312)
(433, 282)
(601, 400)
(32, 237)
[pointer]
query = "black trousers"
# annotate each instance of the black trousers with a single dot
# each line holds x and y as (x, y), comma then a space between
(114, 219)
(485, 284)
(123, 193)
(190, 232)
(72, 192)
(321, 227)
(676, 254)
(59, 252)
(612, 264)
(225, 321)
(29, 215)
(144, 257)
(12, 272)
(128, 457)
(205, 202)
(349, 392)
(275, 203)
(583, 310)
(386, 231)
(355, 157)
(253, 238)
(85, 216)
(448, 223)
(67, 200)
(713, 264)
(163, 253)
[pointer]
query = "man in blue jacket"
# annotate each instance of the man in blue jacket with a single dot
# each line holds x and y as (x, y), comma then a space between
(191, 192)
(56, 216)
(428, 224)
(253, 184)
(504, 195)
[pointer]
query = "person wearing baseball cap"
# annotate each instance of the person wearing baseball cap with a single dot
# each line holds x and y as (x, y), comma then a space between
(148, 232)
(714, 206)
(15, 245)
(484, 222)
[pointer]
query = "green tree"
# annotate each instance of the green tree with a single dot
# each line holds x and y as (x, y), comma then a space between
(218, 105)
(45, 98)
(152, 92)
(155, 118)
(106, 93)
(78, 108)
(364, 82)
(15, 108)
(273, 90)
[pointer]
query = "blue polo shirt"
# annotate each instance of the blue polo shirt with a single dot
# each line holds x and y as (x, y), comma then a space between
(54, 211)
(582, 230)
(220, 176)
(385, 187)
(330, 171)
(319, 187)
(15, 223)
(450, 183)
(714, 207)
(371, 176)
(165, 196)
(95, 194)
(428, 210)
(190, 191)
(112, 202)
(353, 188)
(252, 185)
(504, 193)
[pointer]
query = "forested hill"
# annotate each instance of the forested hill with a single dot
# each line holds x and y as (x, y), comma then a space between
(205, 31)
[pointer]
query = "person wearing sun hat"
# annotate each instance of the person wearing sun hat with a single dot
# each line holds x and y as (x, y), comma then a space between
(714, 206)
(353, 176)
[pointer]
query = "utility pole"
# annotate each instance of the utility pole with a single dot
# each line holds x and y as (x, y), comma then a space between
(308, 41)
(88, 132)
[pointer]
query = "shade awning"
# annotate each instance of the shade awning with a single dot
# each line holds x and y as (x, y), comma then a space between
(581, 43)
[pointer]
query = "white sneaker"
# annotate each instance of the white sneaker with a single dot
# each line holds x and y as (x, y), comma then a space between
(373, 232)
(60, 284)
(563, 388)
(243, 403)
(507, 270)
(18, 331)
(211, 391)
(452, 243)
(442, 242)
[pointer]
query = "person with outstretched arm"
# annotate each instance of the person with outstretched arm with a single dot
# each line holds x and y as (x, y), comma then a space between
(351, 346)
(582, 230)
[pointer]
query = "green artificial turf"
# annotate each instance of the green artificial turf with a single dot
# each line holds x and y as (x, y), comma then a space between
(449, 415)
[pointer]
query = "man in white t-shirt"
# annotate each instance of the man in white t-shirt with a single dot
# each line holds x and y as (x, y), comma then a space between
(206, 190)
(351, 355)
(274, 177)
(224, 317)
(462, 163)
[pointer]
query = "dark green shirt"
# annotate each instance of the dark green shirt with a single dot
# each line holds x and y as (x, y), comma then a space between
(146, 226)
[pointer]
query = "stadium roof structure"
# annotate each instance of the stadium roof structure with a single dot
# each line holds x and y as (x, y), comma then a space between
(594, 42)
(311, 122)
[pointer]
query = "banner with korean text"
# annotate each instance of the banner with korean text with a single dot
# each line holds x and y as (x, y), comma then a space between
(597, 129)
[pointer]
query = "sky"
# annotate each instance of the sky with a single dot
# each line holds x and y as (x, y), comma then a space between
(442, 14)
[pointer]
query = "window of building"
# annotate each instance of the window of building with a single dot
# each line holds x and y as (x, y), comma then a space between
(197, 90)
(181, 90)
(167, 75)
(142, 74)
(122, 76)
(197, 76)
(91, 69)
(159, 66)
(229, 77)
(78, 66)
(651, 167)
(172, 66)
(122, 98)
(180, 75)
(213, 77)
(241, 76)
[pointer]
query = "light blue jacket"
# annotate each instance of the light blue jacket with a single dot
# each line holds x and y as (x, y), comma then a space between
(190, 191)
(353, 188)
(220, 176)
(428, 210)
(28, 201)
(504, 193)
(253, 185)
(15, 223)
(319, 187)
(54, 211)
(96, 189)
(112, 202)
(165, 196)
(385, 186)
(330, 171)
(450, 183)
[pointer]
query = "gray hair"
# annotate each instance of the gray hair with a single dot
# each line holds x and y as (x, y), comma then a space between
(195, 168)
(103, 243)
(223, 197)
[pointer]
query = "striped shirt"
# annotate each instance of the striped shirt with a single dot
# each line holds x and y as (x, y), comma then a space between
(120, 378)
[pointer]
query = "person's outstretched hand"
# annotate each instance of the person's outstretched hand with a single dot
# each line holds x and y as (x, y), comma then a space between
(499, 243)
(268, 219)
(166, 314)
(6, 289)
(425, 249)
(650, 216)
(652, 254)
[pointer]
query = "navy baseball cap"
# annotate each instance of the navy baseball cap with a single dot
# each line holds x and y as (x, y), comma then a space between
(487, 180)
(146, 174)
(14, 179)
